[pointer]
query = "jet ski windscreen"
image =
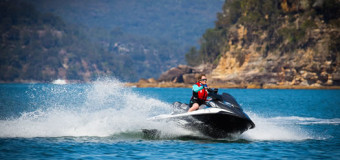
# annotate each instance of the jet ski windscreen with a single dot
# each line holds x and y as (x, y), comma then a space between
(227, 97)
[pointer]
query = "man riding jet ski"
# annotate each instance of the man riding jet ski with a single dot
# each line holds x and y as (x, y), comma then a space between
(199, 93)
(219, 117)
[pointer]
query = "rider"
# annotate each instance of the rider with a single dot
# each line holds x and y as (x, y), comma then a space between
(199, 93)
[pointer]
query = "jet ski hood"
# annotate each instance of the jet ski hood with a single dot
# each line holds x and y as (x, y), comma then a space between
(228, 103)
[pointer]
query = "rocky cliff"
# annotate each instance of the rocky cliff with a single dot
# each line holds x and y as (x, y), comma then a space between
(278, 43)
(313, 64)
(302, 49)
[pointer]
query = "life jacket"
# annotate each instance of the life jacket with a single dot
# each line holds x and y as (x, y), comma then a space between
(201, 95)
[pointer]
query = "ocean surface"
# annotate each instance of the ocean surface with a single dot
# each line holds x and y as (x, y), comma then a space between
(104, 120)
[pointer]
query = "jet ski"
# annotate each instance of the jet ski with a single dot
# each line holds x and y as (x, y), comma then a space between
(220, 117)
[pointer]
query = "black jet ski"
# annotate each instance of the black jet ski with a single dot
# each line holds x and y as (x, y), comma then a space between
(221, 117)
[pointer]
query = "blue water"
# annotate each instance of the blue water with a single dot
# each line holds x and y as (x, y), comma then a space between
(103, 120)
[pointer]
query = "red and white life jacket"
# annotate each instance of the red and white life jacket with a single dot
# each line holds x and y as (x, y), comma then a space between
(201, 95)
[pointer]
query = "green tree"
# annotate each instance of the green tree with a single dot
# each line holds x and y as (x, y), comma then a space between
(192, 57)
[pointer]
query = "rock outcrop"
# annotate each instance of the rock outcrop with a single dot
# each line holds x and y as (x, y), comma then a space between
(314, 63)
(274, 44)
(184, 74)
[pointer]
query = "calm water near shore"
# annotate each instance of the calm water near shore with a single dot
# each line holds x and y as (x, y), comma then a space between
(103, 120)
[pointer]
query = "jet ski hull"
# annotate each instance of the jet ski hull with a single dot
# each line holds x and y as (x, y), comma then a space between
(221, 125)
(212, 122)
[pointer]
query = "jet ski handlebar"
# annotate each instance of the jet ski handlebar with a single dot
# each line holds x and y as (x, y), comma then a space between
(212, 92)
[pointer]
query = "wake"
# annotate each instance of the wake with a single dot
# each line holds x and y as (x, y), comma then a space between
(108, 108)
(286, 128)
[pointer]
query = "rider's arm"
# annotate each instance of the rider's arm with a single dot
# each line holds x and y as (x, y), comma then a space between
(195, 88)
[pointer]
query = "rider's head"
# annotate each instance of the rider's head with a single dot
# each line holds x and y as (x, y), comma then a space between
(202, 79)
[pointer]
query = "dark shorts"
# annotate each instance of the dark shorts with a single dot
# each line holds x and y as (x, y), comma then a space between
(195, 100)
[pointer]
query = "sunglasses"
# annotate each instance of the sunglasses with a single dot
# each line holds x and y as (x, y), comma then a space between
(204, 80)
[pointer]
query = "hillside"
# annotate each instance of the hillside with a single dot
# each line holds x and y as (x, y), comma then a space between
(179, 21)
(46, 40)
(279, 42)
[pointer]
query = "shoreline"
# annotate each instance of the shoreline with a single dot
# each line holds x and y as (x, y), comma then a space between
(186, 85)
(240, 86)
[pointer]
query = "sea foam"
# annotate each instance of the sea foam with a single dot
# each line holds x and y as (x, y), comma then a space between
(109, 108)
(289, 128)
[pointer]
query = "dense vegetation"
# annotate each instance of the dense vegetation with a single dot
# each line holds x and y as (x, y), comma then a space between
(180, 21)
(266, 15)
(42, 47)
(38, 45)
